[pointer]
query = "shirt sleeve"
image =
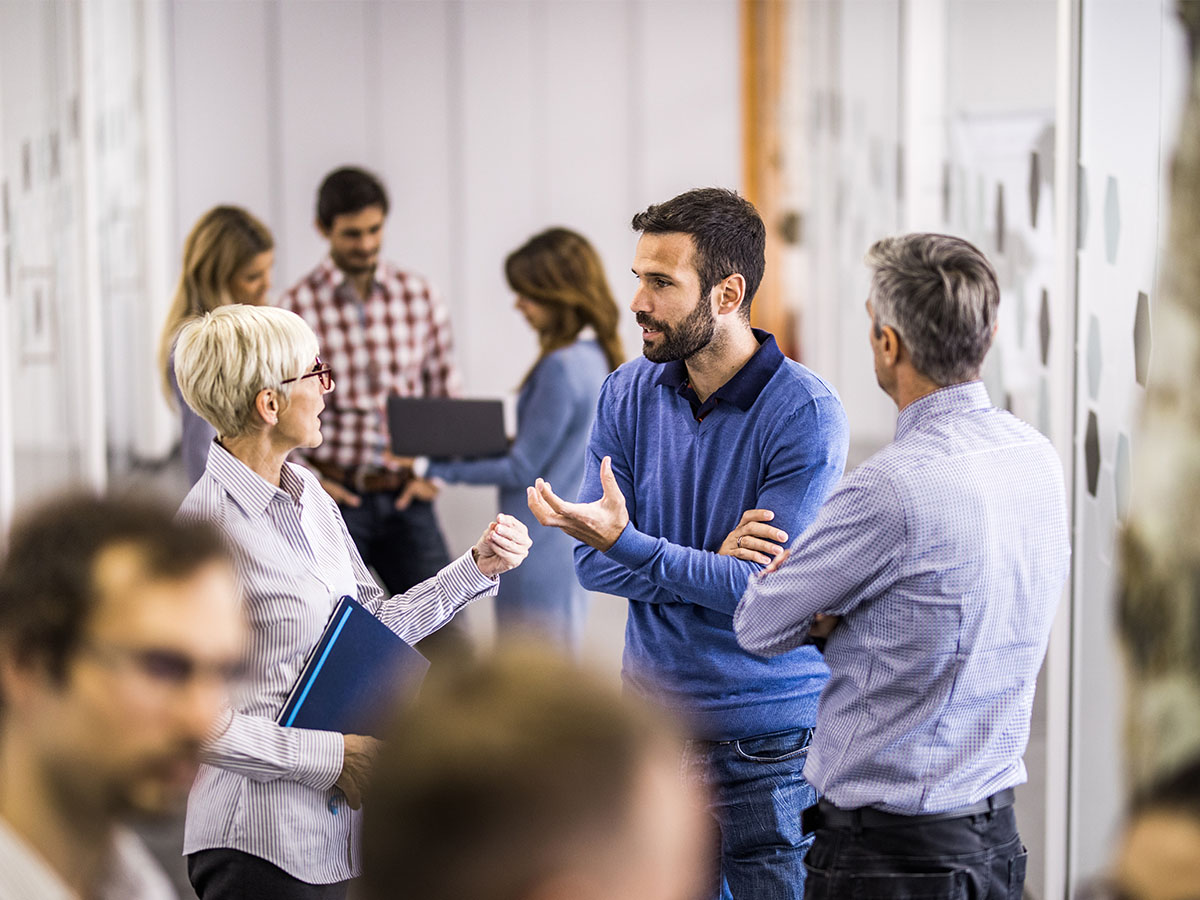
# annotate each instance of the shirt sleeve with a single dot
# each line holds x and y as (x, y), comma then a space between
(852, 552)
(423, 608)
(801, 471)
(547, 402)
(263, 750)
(441, 375)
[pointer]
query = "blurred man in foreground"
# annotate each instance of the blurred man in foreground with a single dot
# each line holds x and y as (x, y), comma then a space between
(119, 637)
(526, 779)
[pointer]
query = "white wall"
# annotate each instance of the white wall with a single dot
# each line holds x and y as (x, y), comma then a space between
(977, 105)
(1132, 81)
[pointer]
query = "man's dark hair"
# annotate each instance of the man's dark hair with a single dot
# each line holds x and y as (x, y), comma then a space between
(501, 774)
(727, 230)
(47, 579)
(348, 190)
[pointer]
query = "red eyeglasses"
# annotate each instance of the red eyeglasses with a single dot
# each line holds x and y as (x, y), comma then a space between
(320, 370)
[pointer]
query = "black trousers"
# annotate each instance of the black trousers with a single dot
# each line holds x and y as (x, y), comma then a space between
(234, 875)
(976, 857)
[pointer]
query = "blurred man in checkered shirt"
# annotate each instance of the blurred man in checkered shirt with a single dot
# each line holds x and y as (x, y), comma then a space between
(383, 331)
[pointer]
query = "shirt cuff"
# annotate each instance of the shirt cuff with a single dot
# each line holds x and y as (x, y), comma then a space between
(318, 757)
(632, 549)
(420, 466)
(462, 580)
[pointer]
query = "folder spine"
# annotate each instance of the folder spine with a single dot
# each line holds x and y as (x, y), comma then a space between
(317, 668)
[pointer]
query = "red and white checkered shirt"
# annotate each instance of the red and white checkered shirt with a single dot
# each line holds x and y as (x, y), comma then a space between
(397, 341)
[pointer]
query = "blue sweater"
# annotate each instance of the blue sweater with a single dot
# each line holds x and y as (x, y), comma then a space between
(774, 436)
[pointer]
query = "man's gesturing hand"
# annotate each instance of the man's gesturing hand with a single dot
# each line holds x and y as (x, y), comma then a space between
(505, 543)
(754, 540)
(598, 524)
(358, 754)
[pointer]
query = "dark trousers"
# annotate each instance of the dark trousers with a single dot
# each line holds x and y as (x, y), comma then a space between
(404, 547)
(976, 857)
(233, 875)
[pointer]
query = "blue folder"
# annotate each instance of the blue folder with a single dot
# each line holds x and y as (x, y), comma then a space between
(355, 677)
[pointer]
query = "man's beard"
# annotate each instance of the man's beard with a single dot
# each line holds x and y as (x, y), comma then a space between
(684, 340)
(354, 266)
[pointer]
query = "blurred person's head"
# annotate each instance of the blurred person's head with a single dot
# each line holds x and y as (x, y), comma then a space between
(247, 368)
(1159, 854)
(352, 205)
(120, 632)
(699, 262)
(524, 778)
(932, 305)
(227, 258)
(561, 288)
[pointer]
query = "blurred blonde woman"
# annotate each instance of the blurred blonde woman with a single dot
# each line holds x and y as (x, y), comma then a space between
(562, 292)
(227, 258)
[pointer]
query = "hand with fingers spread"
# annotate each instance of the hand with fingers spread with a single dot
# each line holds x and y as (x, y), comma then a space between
(754, 540)
(504, 545)
(598, 524)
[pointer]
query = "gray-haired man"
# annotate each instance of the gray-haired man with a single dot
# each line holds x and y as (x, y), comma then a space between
(934, 571)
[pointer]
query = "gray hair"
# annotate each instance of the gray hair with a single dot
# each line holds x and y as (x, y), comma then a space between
(225, 357)
(939, 293)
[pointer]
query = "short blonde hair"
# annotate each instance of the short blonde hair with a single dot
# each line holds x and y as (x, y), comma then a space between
(224, 358)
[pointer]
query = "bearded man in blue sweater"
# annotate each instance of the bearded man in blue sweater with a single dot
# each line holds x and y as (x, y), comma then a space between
(707, 456)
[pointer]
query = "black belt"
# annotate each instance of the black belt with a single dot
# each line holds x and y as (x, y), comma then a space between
(830, 816)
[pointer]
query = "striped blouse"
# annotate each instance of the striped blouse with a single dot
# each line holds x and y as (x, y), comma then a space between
(264, 789)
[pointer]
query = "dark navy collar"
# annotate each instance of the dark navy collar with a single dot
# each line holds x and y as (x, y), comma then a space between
(741, 390)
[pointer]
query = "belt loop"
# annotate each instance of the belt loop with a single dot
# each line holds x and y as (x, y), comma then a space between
(856, 823)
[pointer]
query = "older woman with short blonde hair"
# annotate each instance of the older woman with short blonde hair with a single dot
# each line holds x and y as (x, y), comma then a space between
(275, 810)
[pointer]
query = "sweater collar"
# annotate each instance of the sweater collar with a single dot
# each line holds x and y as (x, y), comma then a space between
(746, 384)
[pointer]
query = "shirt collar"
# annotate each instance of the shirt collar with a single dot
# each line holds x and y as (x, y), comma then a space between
(336, 277)
(747, 383)
(249, 490)
(964, 397)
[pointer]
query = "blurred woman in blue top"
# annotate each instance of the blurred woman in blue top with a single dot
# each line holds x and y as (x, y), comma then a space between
(562, 292)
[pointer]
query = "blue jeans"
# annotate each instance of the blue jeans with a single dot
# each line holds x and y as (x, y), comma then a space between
(976, 857)
(756, 794)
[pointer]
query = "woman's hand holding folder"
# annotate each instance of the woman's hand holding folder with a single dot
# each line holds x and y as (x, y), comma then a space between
(358, 755)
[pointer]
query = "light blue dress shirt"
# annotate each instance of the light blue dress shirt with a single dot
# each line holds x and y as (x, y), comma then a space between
(945, 554)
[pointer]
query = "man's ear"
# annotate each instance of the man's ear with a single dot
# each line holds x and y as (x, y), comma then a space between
(266, 404)
(321, 229)
(890, 345)
(730, 294)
